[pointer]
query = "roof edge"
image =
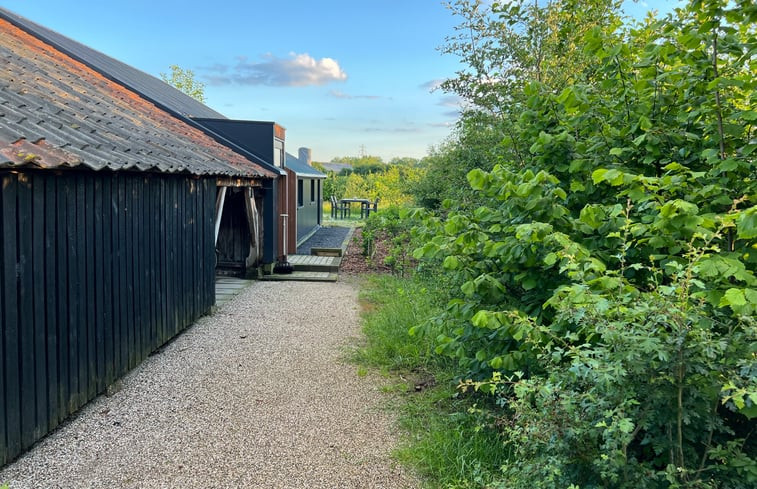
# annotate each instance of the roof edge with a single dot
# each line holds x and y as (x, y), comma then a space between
(12, 18)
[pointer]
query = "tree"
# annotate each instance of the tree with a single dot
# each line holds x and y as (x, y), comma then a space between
(185, 81)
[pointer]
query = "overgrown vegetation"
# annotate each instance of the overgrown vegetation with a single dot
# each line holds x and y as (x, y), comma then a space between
(601, 262)
(369, 177)
(448, 439)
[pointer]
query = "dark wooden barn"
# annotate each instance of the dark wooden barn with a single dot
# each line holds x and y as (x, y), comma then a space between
(235, 254)
(109, 217)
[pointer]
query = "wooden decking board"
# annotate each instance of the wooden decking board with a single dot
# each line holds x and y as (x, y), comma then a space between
(303, 277)
(228, 287)
(312, 263)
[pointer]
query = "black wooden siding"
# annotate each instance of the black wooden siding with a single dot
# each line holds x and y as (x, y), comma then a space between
(97, 270)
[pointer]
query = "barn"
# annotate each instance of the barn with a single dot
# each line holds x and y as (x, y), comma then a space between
(110, 209)
(235, 253)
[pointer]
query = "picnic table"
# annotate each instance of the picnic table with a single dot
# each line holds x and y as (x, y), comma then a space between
(365, 205)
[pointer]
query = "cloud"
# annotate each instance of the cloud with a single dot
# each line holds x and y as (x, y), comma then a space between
(442, 124)
(298, 70)
(431, 85)
(342, 95)
(452, 101)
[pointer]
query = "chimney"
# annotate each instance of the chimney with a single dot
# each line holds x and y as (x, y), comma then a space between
(305, 156)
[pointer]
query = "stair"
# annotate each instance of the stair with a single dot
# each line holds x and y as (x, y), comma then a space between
(310, 268)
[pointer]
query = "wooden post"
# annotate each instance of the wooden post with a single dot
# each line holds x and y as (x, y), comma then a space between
(253, 222)
(219, 210)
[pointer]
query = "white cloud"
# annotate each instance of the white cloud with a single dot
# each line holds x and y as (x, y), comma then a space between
(298, 70)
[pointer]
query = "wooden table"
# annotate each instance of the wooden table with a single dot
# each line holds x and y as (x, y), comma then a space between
(364, 203)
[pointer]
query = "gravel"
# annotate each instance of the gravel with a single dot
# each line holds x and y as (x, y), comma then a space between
(325, 237)
(256, 395)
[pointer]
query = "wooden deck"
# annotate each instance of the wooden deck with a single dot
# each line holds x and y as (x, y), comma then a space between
(298, 276)
(312, 263)
(228, 287)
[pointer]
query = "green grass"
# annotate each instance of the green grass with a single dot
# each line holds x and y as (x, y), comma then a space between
(391, 307)
(447, 439)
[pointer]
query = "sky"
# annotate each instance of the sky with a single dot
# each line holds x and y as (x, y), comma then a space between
(344, 77)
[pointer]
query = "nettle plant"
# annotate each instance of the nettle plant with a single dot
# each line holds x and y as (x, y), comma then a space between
(613, 265)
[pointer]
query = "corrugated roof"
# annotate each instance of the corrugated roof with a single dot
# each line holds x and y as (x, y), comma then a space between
(133, 78)
(301, 168)
(57, 112)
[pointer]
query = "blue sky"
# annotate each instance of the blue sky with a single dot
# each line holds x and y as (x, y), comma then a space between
(342, 76)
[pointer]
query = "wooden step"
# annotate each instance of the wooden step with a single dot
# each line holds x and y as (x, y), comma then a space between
(300, 276)
(310, 263)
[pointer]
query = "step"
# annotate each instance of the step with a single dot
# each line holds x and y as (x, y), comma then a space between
(302, 276)
(326, 251)
(311, 263)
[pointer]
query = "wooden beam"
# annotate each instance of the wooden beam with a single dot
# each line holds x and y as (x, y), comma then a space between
(219, 210)
(253, 222)
(238, 182)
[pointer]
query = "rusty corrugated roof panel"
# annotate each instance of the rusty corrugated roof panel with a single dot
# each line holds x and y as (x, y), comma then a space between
(66, 114)
(39, 153)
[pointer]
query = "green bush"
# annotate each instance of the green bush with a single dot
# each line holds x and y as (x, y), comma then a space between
(606, 286)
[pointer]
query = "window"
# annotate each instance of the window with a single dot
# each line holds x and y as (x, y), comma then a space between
(300, 191)
(278, 153)
(312, 190)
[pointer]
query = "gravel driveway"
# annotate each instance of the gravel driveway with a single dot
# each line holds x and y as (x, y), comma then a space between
(254, 396)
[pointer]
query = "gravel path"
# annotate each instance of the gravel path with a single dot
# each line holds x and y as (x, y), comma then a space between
(325, 237)
(255, 396)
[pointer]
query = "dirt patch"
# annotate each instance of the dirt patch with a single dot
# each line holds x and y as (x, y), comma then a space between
(355, 263)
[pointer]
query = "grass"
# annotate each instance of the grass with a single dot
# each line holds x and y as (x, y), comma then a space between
(391, 307)
(450, 440)
(446, 438)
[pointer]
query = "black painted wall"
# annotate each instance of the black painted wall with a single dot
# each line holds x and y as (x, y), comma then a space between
(97, 270)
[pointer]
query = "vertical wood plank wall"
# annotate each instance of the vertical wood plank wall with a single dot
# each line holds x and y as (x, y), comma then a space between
(97, 270)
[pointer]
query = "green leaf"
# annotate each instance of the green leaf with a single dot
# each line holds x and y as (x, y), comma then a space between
(598, 175)
(733, 297)
(468, 288)
(451, 263)
(616, 151)
(529, 283)
(625, 425)
(644, 123)
(576, 186)
(477, 178)
(746, 225)
(710, 153)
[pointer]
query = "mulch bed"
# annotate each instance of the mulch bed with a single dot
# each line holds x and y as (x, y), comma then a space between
(354, 263)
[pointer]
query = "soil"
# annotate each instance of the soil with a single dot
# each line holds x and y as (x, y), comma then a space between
(355, 263)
